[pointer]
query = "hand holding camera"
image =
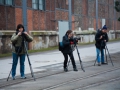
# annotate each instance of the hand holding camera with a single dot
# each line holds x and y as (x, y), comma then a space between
(19, 33)
(25, 33)
(71, 42)
(101, 37)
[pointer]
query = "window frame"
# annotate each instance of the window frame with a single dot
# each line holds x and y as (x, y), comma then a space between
(39, 5)
(35, 3)
(2, 3)
(6, 3)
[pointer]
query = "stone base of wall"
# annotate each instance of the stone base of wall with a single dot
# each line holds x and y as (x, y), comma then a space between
(45, 39)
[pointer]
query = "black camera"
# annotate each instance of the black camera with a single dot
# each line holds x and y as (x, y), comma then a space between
(76, 39)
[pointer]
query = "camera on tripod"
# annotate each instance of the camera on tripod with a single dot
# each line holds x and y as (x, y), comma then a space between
(75, 40)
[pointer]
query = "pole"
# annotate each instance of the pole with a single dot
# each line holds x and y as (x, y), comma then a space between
(115, 21)
(70, 15)
(24, 13)
(96, 14)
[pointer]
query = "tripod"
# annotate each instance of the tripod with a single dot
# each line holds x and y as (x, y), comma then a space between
(106, 50)
(28, 60)
(79, 59)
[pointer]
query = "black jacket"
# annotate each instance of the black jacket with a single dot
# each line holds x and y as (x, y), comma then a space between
(67, 47)
(100, 44)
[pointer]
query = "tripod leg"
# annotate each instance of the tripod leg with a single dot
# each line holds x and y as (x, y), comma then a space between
(109, 56)
(68, 63)
(29, 61)
(9, 74)
(80, 59)
(95, 61)
(31, 68)
(106, 56)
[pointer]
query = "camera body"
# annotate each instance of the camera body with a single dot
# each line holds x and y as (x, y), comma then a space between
(75, 40)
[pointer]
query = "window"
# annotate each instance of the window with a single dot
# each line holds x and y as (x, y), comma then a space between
(38, 4)
(1, 1)
(35, 4)
(9, 2)
(6, 2)
(42, 4)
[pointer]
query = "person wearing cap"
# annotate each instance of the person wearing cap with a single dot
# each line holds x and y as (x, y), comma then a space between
(101, 38)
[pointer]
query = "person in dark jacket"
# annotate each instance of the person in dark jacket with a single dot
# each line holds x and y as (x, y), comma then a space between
(67, 41)
(18, 49)
(101, 38)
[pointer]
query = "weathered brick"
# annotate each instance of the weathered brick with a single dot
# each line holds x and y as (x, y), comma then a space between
(52, 16)
(29, 3)
(2, 18)
(84, 7)
(29, 20)
(18, 16)
(52, 5)
(10, 11)
(42, 20)
(48, 4)
(18, 2)
(48, 21)
(35, 20)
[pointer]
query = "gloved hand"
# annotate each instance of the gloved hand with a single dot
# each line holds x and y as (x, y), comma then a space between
(71, 42)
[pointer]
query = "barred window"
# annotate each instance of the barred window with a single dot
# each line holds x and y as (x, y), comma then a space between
(1, 1)
(35, 4)
(38, 4)
(9, 2)
(42, 4)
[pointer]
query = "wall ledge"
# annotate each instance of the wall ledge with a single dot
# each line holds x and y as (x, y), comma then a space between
(6, 32)
(35, 33)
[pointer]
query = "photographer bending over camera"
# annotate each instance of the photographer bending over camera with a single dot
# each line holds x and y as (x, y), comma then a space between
(18, 49)
(67, 50)
(101, 38)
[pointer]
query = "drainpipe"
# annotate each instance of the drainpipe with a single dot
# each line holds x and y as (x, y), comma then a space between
(70, 15)
(115, 21)
(96, 15)
(24, 13)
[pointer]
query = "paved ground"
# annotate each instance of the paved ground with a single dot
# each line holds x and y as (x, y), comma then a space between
(50, 75)
(87, 53)
(105, 77)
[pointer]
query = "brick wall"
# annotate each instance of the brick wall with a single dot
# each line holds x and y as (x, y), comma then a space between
(2, 18)
(85, 14)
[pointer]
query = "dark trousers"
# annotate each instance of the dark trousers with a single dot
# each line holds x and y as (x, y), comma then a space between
(15, 61)
(66, 59)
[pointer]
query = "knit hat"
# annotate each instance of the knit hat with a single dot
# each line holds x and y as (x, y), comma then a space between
(104, 27)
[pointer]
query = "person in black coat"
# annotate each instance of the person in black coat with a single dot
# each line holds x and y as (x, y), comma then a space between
(67, 50)
(101, 38)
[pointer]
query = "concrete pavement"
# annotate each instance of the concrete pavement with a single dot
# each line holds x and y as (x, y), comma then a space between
(87, 53)
(105, 77)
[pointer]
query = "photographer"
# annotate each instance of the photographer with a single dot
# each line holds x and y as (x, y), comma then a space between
(101, 38)
(18, 49)
(67, 42)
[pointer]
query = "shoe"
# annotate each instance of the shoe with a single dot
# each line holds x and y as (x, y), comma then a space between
(23, 77)
(13, 78)
(65, 69)
(75, 69)
(99, 64)
(103, 63)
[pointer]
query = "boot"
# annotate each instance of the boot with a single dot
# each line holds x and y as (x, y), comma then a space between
(65, 69)
(75, 69)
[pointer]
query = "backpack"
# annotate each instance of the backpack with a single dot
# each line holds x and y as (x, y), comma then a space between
(61, 46)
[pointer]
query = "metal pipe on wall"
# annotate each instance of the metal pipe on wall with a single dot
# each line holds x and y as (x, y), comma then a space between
(24, 13)
(70, 15)
(96, 15)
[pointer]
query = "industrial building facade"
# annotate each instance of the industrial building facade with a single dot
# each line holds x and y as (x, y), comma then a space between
(44, 15)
